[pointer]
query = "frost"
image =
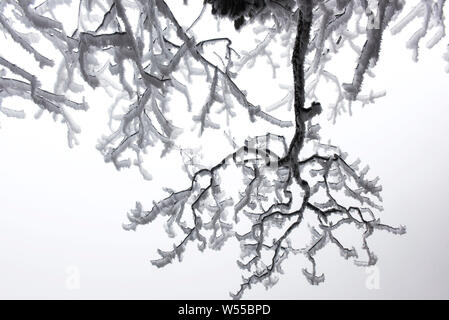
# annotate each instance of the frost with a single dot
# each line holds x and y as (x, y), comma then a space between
(141, 56)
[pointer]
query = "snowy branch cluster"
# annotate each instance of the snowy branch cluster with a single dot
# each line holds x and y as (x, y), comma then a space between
(15, 80)
(142, 56)
(359, 26)
(266, 212)
(139, 49)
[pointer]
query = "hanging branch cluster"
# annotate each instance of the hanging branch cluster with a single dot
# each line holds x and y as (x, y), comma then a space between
(281, 191)
(338, 25)
(16, 81)
(141, 50)
(156, 50)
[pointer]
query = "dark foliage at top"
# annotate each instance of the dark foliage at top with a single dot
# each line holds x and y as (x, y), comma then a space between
(237, 10)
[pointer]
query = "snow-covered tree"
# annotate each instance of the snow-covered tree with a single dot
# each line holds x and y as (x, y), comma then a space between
(141, 54)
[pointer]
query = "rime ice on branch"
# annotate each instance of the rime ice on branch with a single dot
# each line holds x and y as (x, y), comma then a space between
(141, 55)
(16, 81)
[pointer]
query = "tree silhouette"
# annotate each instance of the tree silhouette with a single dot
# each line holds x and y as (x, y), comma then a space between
(284, 182)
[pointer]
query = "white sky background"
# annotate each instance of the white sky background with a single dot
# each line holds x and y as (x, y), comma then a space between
(61, 209)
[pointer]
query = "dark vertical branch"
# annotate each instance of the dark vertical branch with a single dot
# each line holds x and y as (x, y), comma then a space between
(299, 54)
(298, 59)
